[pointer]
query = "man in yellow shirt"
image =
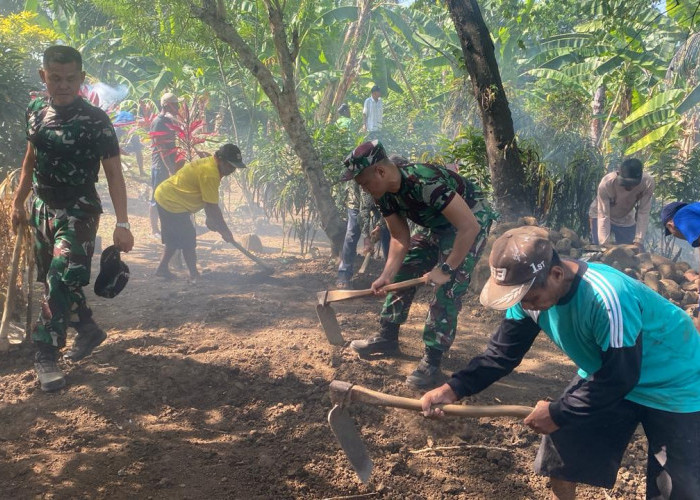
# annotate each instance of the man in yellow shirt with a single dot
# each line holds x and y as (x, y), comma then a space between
(193, 187)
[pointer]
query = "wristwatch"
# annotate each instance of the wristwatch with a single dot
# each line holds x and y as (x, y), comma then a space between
(445, 268)
(125, 225)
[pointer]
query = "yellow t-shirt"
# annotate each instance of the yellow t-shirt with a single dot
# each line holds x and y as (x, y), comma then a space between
(195, 184)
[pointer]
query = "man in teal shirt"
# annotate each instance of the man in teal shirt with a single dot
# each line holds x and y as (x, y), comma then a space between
(638, 357)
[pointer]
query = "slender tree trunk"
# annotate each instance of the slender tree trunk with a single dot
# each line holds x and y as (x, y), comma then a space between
(284, 100)
(508, 177)
(357, 45)
(598, 107)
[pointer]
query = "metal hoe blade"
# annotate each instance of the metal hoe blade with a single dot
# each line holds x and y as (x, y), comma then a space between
(329, 323)
(350, 440)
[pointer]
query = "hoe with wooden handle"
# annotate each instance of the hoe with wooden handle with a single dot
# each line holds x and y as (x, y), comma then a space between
(326, 314)
(342, 425)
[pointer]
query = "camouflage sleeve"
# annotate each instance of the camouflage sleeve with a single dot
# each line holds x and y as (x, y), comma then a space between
(106, 141)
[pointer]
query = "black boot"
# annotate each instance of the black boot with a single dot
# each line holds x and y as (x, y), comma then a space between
(387, 342)
(89, 336)
(427, 375)
(51, 378)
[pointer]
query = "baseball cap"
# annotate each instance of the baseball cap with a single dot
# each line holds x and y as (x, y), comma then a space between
(630, 172)
(114, 274)
(168, 98)
(515, 260)
(669, 212)
(363, 156)
(232, 154)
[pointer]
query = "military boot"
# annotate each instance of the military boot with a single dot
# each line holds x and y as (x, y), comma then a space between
(89, 336)
(51, 378)
(427, 375)
(386, 342)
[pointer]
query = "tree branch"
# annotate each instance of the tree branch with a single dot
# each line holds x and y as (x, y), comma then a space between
(209, 15)
(280, 40)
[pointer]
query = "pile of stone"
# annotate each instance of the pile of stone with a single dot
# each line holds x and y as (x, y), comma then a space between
(674, 280)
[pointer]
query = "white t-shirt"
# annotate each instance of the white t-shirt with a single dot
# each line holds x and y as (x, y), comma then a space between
(373, 111)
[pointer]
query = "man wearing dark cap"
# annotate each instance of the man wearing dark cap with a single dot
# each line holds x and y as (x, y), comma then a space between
(622, 205)
(453, 221)
(638, 357)
(193, 187)
(67, 141)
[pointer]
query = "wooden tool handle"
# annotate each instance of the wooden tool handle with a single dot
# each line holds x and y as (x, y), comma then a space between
(251, 256)
(338, 295)
(368, 396)
(11, 285)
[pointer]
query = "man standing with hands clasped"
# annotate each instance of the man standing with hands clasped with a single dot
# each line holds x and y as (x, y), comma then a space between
(638, 357)
(454, 221)
(67, 139)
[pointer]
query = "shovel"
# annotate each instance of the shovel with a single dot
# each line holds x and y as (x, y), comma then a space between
(342, 425)
(326, 314)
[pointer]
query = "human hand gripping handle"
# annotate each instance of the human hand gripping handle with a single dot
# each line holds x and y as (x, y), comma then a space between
(440, 395)
(540, 420)
(19, 216)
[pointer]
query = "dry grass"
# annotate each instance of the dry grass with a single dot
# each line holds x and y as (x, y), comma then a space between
(7, 242)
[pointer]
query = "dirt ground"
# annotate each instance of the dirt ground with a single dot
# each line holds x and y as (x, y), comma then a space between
(220, 390)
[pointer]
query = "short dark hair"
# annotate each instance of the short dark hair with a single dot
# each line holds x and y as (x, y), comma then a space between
(62, 54)
(376, 88)
(541, 278)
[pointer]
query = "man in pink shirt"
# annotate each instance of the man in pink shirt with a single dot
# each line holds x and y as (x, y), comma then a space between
(622, 205)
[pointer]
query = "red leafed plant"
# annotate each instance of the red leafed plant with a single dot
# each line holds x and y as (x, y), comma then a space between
(190, 130)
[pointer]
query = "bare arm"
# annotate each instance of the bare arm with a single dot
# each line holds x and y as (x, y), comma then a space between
(19, 214)
(603, 217)
(398, 248)
(643, 212)
(461, 217)
(215, 221)
(117, 192)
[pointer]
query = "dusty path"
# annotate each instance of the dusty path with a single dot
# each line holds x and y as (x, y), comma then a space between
(220, 390)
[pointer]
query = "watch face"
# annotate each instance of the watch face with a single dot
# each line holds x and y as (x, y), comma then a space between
(445, 268)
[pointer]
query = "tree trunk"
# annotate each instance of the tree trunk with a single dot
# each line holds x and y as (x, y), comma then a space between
(352, 61)
(598, 107)
(284, 100)
(511, 195)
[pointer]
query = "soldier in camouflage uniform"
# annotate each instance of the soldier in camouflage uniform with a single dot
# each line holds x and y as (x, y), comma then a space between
(67, 139)
(453, 221)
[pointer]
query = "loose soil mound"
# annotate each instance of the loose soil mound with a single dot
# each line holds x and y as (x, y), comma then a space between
(220, 390)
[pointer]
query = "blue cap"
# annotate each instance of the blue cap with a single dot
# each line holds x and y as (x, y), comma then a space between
(669, 212)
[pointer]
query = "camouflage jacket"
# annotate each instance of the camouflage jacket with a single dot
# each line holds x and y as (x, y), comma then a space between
(69, 142)
(425, 192)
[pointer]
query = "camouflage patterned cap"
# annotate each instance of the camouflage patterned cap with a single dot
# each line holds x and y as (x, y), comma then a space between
(363, 156)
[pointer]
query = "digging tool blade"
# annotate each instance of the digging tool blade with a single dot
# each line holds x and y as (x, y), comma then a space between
(350, 440)
(329, 323)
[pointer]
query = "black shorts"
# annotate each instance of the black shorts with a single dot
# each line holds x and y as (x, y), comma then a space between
(177, 230)
(591, 454)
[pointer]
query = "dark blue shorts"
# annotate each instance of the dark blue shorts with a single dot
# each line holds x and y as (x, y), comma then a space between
(591, 454)
(177, 230)
(158, 175)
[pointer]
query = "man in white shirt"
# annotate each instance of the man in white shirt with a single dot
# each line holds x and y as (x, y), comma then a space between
(622, 205)
(372, 114)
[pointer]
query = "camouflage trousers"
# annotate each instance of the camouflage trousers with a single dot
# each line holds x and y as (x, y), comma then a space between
(428, 249)
(64, 241)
